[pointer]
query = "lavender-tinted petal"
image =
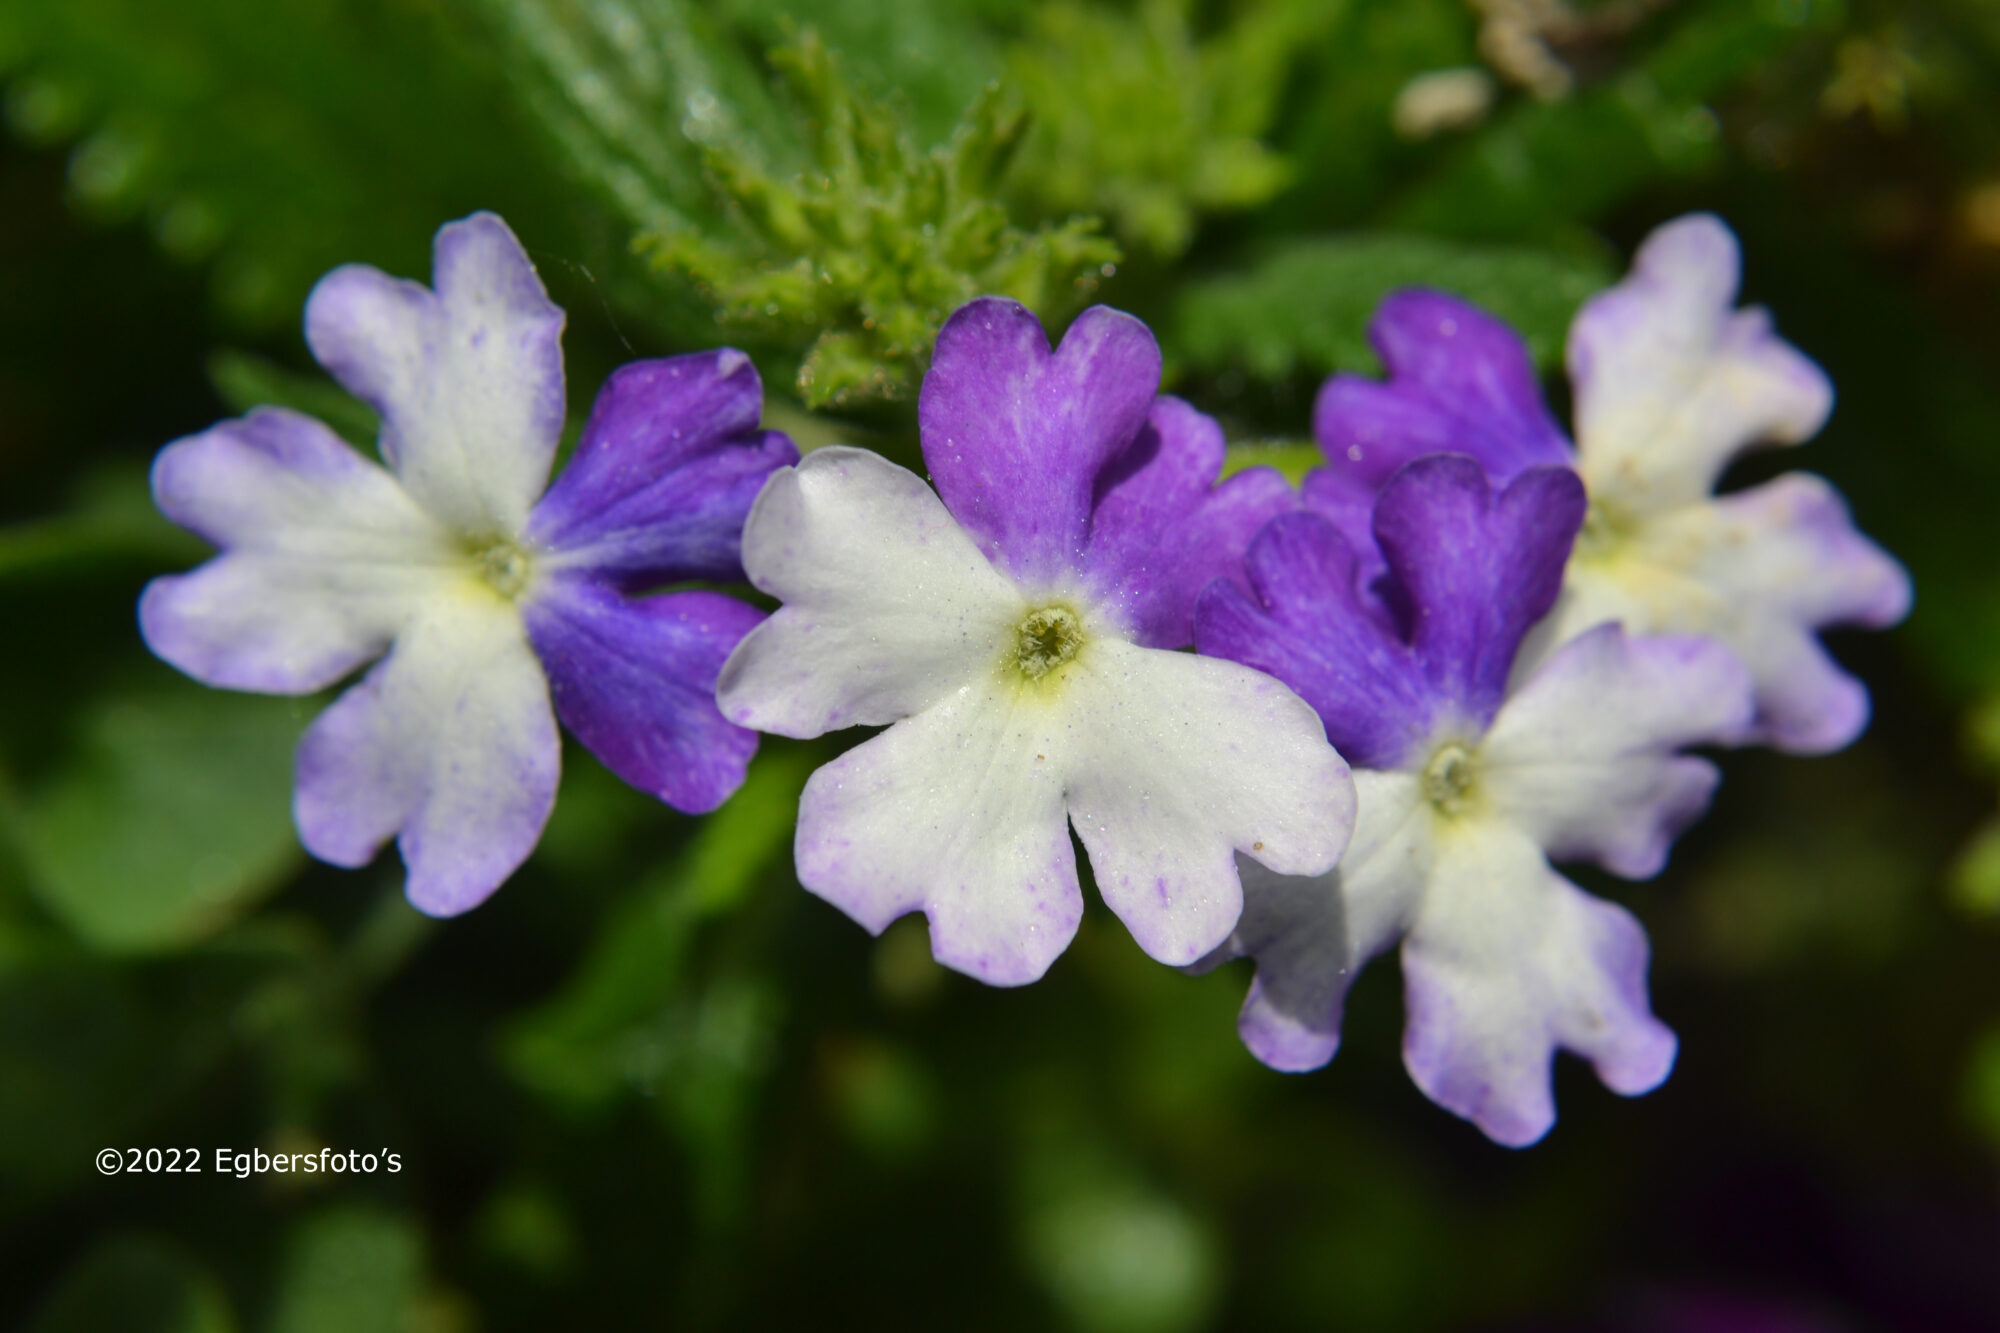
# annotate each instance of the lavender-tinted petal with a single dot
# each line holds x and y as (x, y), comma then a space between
(1671, 382)
(958, 813)
(1312, 935)
(1460, 381)
(634, 679)
(1507, 962)
(1015, 435)
(1171, 764)
(1477, 568)
(668, 466)
(1306, 623)
(1583, 754)
(325, 556)
(449, 745)
(468, 378)
(1161, 528)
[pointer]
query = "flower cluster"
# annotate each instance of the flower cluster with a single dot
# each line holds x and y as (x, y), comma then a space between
(1511, 638)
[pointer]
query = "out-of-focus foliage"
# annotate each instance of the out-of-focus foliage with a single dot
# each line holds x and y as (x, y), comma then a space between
(652, 1081)
(1305, 306)
(1140, 120)
(276, 139)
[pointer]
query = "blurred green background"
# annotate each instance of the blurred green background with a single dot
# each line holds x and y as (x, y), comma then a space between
(652, 1084)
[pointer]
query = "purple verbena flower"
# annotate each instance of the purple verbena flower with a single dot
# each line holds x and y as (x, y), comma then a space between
(1467, 786)
(1015, 638)
(493, 601)
(1671, 382)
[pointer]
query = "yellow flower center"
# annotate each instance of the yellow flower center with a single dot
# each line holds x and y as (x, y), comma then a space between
(1046, 640)
(503, 567)
(1448, 778)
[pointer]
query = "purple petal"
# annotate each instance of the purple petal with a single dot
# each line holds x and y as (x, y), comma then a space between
(1477, 570)
(1162, 529)
(1015, 435)
(1306, 623)
(449, 745)
(1460, 381)
(668, 466)
(468, 379)
(325, 556)
(634, 679)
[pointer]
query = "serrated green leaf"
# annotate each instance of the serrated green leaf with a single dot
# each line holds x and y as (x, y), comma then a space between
(1305, 307)
(172, 815)
(856, 262)
(135, 1284)
(276, 140)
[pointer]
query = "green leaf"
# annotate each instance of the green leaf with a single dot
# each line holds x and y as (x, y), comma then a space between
(1975, 879)
(171, 816)
(1305, 307)
(623, 1013)
(1137, 120)
(348, 1269)
(857, 261)
(245, 381)
(240, 131)
(1982, 1086)
(631, 91)
(135, 1284)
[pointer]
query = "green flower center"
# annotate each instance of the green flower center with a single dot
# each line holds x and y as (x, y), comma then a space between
(1045, 640)
(503, 567)
(1448, 777)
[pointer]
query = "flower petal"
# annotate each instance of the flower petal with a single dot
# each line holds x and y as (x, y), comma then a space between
(1761, 571)
(1460, 381)
(1015, 435)
(1307, 623)
(449, 743)
(1671, 382)
(1162, 528)
(665, 473)
(1175, 762)
(958, 813)
(325, 556)
(1507, 961)
(634, 679)
(889, 607)
(468, 378)
(1583, 758)
(1477, 568)
(1311, 935)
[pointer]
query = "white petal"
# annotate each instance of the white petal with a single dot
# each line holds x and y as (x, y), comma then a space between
(326, 556)
(1311, 935)
(1671, 382)
(958, 813)
(450, 743)
(468, 378)
(888, 604)
(1175, 762)
(1506, 962)
(1761, 571)
(1583, 756)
